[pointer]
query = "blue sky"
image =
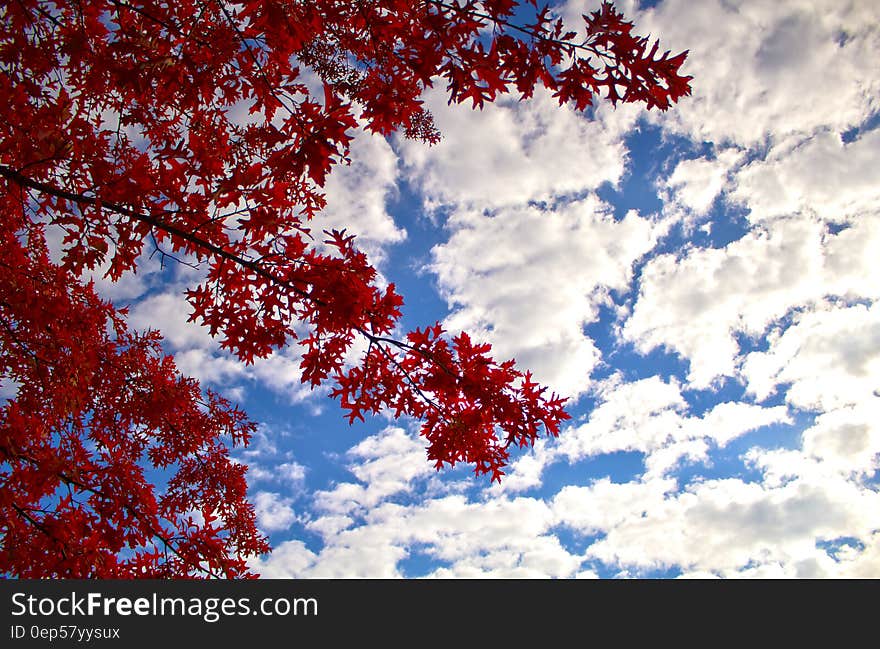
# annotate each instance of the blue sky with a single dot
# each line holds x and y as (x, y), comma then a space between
(701, 283)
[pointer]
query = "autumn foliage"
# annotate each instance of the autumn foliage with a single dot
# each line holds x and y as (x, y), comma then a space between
(205, 130)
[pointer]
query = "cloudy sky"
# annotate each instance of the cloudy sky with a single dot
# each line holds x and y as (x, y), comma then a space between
(701, 283)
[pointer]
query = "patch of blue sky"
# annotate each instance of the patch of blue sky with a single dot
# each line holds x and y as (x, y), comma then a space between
(728, 222)
(749, 343)
(663, 572)
(619, 467)
(724, 390)
(623, 357)
(854, 133)
(420, 561)
(729, 461)
(299, 531)
(837, 228)
(612, 570)
(833, 547)
(634, 365)
(318, 440)
(653, 154)
(407, 261)
(577, 543)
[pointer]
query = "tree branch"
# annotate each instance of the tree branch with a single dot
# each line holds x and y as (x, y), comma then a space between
(220, 252)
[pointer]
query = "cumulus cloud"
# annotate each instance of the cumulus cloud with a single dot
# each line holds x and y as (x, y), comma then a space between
(651, 416)
(696, 303)
(727, 526)
(169, 312)
(605, 505)
(787, 524)
(860, 562)
(384, 465)
(515, 152)
(829, 359)
(499, 538)
(289, 560)
(357, 194)
(821, 175)
(208, 366)
(281, 373)
(526, 471)
(368, 530)
(529, 280)
(291, 474)
(366, 534)
(846, 440)
(695, 183)
(274, 512)
(771, 69)
(198, 355)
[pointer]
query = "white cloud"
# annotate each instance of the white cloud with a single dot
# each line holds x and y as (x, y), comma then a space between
(847, 440)
(130, 286)
(292, 474)
(364, 552)
(499, 538)
(461, 528)
(605, 505)
(264, 445)
(831, 358)
(198, 355)
(281, 373)
(724, 526)
(357, 195)
(384, 464)
(859, 563)
(695, 183)
(168, 312)
(695, 303)
(288, 561)
(514, 152)
(640, 415)
(274, 512)
(209, 367)
(650, 416)
(822, 175)
(528, 280)
(367, 535)
(770, 69)
(526, 470)
(329, 525)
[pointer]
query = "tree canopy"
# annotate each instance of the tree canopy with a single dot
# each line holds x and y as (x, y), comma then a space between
(206, 130)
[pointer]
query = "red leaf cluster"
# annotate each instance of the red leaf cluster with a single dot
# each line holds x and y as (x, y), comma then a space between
(472, 408)
(97, 406)
(192, 128)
